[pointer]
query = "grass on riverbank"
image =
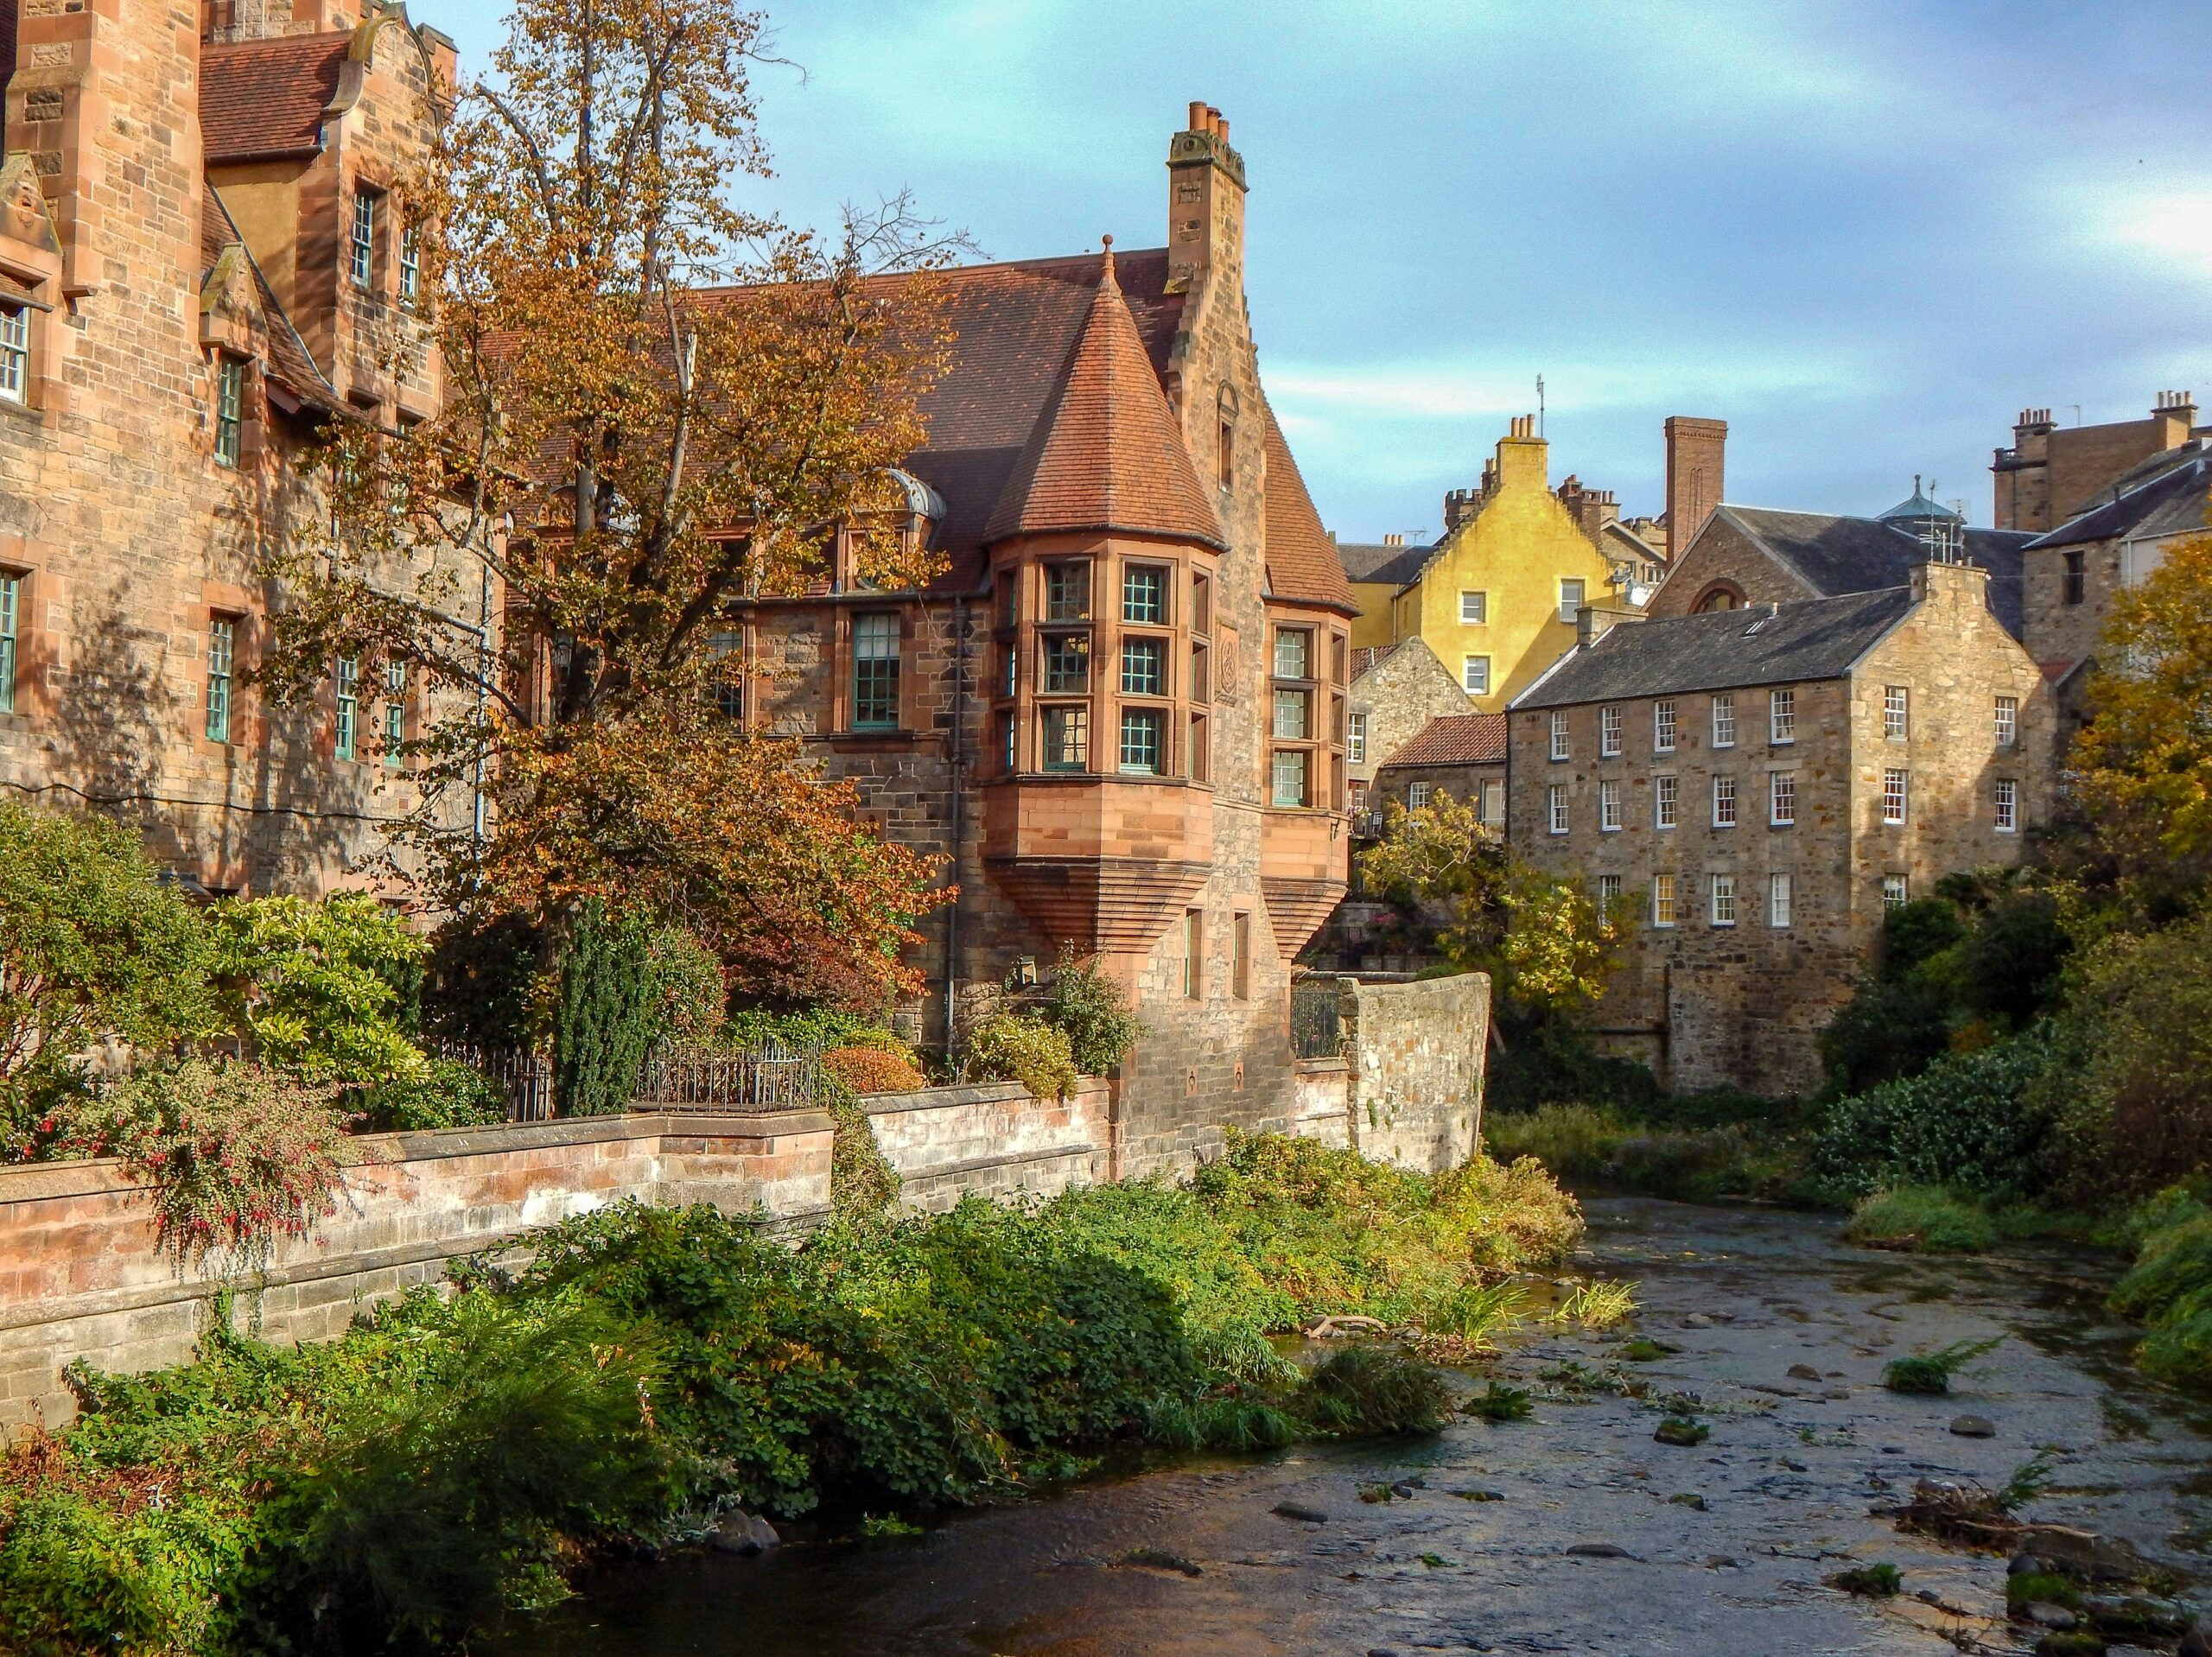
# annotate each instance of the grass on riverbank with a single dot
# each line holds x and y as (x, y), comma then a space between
(1693, 1149)
(452, 1459)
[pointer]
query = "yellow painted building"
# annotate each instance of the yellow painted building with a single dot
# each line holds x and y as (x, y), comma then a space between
(1496, 598)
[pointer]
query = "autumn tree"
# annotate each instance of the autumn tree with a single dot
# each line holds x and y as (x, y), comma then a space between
(658, 405)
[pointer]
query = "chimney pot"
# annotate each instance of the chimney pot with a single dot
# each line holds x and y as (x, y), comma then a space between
(1197, 117)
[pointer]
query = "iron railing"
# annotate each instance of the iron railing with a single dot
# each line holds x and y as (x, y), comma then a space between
(775, 1075)
(1315, 1029)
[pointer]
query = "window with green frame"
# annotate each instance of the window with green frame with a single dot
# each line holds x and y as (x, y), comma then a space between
(875, 671)
(1144, 594)
(11, 602)
(1143, 746)
(1144, 667)
(1066, 739)
(395, 711)
(347, 730)
(1067, 664)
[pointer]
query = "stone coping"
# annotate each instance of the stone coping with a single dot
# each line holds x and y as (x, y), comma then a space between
(959, 1093)
(1009, 1159)
(1338, 1065)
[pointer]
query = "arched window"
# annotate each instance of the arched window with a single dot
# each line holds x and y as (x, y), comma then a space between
(1721, 595)
(1224, 462)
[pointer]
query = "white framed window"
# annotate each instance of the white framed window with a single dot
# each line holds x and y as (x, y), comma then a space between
(16, 353)
(222, 667)
(410, 263)
(1570, 599)
(875, 672)
(1896, 784)
(2008, 805)
(1723, 801)
(1558, 807)
(1777, 900)
(1559, 735)
(1723, 910)
(1609, 732)
(11, 606)
(1781, 798)
(1723, 720)
(1781, 716)
(395, 711)
(1663, 900)
(1609, 804)
(1663, 725)
(1895, 713)
(1666, 805)
(1474, 609)
(361, 244)
(1609, 889)
(1474, 675)
(230, 409)
(346, 729)
(1418, 794)
(1896, 893)
(2008, 720)
(1356, 739)
(1493, 811)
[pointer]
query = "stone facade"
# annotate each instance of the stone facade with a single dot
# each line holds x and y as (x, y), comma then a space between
(1418, 1054)
(2053, 472)
(1394, 697)
(1738, 964)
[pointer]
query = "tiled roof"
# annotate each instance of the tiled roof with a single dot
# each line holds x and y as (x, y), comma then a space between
(1721, 649)
(1833, 555)
(2171, 501)
(1301, 559)
(1107, 453)
(1455, 740)
(264, 98)
(1367, 562)
(1368, 656)
(290, 365)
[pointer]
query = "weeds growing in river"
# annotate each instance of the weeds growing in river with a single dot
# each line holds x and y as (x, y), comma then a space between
(1596, 1304)
(1928, 1374)
(1873, 1581)
(1499, 1404)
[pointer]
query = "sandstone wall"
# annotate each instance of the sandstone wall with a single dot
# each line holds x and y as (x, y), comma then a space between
(990, 1140)
(1415, 1061)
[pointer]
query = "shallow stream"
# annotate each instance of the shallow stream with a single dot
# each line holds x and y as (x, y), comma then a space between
(1712, 1551)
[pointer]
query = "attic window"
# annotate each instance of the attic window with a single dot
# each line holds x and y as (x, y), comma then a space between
(1761, 625)
(1225, 436)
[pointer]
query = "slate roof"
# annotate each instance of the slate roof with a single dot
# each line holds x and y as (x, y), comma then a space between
(1367, 562)
(1455, 740)
(1831, 554)
(1106, 451)
(262, 99)
(1721, 650)
(2172, 501)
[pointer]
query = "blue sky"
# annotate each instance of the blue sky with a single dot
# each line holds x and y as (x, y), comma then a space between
(1864, 234)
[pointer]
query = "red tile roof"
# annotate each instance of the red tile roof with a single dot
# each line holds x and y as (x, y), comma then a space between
(1367, 657)
(1107, 453)
(1302, 561)
(264, 98)
(1456, 739)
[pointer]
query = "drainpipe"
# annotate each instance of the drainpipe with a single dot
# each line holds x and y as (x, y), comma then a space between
(957, 796)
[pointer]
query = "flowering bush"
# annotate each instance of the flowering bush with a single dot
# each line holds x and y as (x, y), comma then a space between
(1016, 1047)
(873, 1070)
(236, 1156)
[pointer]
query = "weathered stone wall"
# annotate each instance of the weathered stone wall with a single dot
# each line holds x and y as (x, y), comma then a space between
(1416, 1058)
(992, 1139)
(1399, 695)
(1322, 1106)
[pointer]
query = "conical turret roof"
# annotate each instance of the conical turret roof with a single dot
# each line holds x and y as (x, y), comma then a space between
(1107, 453)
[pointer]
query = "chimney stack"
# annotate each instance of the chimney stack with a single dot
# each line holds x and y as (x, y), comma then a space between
(1205, 202)
(1695, 452)
(2176, 413)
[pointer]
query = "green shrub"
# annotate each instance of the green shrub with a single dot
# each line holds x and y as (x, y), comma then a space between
(1020, 1047)
(449, 1094)
(607, 1016)
(2138, 1109)
(754, 1027)
(692, 996)
(1582, 1143)
(1092, 1012)
(483, 981)
(325, 990)
(2170, 1290)
(1930, 1373)
(1924, 1216)
(862, 1181)
(1369, 1389)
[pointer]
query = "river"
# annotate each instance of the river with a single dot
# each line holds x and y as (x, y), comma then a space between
(1722, 1549)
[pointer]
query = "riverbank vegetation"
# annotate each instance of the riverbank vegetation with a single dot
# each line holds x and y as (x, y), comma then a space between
(454, 1458)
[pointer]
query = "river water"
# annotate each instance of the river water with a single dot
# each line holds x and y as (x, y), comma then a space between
(1785, 1482)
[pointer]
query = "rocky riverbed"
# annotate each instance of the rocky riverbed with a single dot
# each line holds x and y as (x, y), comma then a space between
(1573, 1530)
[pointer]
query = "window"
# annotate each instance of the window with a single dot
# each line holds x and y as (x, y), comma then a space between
(1724, 803)
(1293, 653)
(1067, 664)
(1144, 667)
(1291, 710)
(222, 665)
(1609, 732)
(1201, 679)
(347, 729)
(1493, 811)
(1240, 956)
(15, 354)
(1777, 900)
(1663, 725)
(1665, 806)
(1355, 740)
(1009, 581)
(1417, 795)
(11, 604)
(1723, 900)
(361, 255)
(1141, 743)
(1781, 798)
(1781, 716)
(2008, 720)
(1201, 605)
(395, 711)
(1724, 721)
(1339, 659)
(1570, 599)
(1609, 889)
(1609, 804)
(1474, 609)
(410, 263)
(1006, 744)
(1895, 893)
(1144, 594)
(1558, 807)
(2008, 805)
(1010, 674)
(1893, 795)
(1559, 736)
(1663, 900)
(1201, 749)
(1067, 739)
(230, 409)
(1194, 954)
(875, 672)
(1067, 592)
(1224, 434)
(2076, 578)
(1474, 676)
(1290, 777)
(1894, 708)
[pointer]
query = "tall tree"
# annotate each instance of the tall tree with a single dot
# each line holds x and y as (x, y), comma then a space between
(658, 405)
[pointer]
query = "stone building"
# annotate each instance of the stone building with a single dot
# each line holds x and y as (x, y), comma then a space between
(1121, 714)
(206, 261)
(2052, 472)
(1395, 691)
(1761, 782)
(1462, 755)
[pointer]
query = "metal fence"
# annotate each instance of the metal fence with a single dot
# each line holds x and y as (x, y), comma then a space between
(775, 1075)
(523, 1077)
(1315, 1032)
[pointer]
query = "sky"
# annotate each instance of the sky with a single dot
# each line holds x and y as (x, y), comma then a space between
(1866, 234)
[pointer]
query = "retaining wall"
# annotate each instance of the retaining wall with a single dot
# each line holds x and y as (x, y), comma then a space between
(1417, 1057)
(992, 1139)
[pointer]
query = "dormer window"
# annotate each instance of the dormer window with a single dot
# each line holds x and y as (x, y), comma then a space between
(361, 256)
(16, 353)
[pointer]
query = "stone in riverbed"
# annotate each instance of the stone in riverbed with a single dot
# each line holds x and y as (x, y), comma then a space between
(1597, 1551)
(1300, 1511)
(1803, 1372)
(743, 1533)
(1975, 1426)
(2049, 1616)
(1697, 1320)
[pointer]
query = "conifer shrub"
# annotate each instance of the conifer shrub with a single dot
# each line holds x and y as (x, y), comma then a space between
(607, 1017)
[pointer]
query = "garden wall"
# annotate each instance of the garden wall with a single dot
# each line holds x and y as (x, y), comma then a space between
(991, 1139)
(1417, 1055)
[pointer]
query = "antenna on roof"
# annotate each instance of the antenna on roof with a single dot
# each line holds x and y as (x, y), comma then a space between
(1539, 405)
